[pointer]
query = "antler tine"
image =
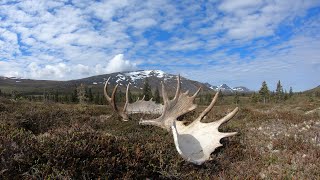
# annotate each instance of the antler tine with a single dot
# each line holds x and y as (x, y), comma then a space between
(178, 88)
(112, 101)
(105, 90)
(113, 96)
(127, 99)
(208, 109)
(229, 134)
(172, 109)
(164, 94)
(228, 116)
(196, 93)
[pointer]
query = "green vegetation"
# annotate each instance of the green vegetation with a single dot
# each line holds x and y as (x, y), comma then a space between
(49, 140)
(279, 92)
(264, 92)
(86, 94)
(147, 90)
(53, 136)
(157, 95)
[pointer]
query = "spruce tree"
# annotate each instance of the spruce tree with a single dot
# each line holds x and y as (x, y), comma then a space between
(279, 91)
(157, 95)
(97, 98)
(147, 90)
(74, 96)
(208, 98)
(65, 98)
(286, 95)
(264, 92)
(56, 96)
(290, 92)
(221, 96)
(90, 95)
(254, 98)
(201, 101)
(130, 97)
(119, 96)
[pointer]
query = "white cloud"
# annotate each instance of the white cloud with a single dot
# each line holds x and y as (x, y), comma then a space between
(63, 70)
(68, 39)
(48, 71)
(297, 66)
(107, 9)
(11, 69)
(185, 44)
(82, 69)
(118, 63)
(233, 6)
(249, 19)
(144, 23)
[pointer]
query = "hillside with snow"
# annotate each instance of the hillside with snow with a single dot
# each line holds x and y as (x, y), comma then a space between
(136, 80)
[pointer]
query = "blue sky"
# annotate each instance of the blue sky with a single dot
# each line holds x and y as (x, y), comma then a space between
(237, 42)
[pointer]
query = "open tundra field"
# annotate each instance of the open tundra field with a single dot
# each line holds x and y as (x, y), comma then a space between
(63, 141)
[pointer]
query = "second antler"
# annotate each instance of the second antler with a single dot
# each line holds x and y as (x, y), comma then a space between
(140, 106)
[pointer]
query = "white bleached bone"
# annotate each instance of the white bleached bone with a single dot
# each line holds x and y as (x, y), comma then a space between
(196, 141)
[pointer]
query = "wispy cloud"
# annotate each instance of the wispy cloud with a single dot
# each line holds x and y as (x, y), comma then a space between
(238, 42)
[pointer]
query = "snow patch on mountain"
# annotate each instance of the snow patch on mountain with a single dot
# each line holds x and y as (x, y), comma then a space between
(226, 88)
(241, 89)
(120, 77)
(144, 74)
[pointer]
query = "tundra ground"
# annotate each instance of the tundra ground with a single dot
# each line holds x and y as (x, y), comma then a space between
(59, 141)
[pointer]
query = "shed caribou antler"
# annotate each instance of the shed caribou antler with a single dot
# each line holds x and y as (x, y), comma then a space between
(196, 141)
(140, 106)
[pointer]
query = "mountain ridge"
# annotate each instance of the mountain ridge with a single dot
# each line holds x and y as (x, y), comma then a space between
(135, 78)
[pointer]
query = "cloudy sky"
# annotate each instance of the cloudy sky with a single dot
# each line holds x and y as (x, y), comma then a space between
(238, 42)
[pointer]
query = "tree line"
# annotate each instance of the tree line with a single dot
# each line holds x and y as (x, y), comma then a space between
(84, 95)
(264, 95)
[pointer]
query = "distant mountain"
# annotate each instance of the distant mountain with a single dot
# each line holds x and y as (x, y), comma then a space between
(211, 86)
(135, 78)
(226, 89)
